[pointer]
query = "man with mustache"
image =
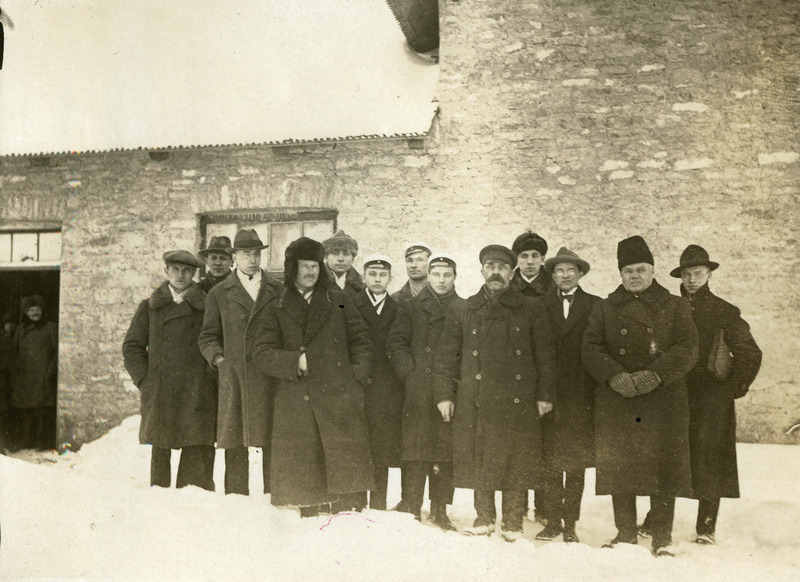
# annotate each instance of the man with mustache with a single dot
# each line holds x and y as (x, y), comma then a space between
(497, 350)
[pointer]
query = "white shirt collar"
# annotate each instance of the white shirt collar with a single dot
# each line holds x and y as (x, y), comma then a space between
(531, 280)
(177, 297)
(340, 279)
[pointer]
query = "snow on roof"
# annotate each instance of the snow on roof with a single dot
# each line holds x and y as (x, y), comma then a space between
(98, 75)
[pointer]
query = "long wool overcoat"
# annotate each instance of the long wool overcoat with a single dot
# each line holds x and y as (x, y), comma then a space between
(411, 345)
(642, 443)
(712, 415)
(35, 365)
(320, 441)
(495, 360)
(569, 430)
(245, 393)
(178, 396)
(383, 393)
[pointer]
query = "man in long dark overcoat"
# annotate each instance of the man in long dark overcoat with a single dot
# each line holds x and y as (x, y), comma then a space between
(639, 345)
(569, 431)
(712, 414)
(178, 396)
(426, 436)
(384, 390)
(315, 344)
(495, 376)
(233, 311)
(417, 256)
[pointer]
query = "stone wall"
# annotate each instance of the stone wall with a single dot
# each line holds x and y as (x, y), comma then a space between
(586, 121)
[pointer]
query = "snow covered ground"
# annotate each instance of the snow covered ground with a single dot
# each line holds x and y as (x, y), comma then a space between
(91, 515)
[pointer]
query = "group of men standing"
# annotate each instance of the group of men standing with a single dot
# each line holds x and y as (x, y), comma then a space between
(521, 386)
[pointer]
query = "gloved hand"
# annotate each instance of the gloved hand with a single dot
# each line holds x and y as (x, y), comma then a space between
(622, 383)
(645, 381)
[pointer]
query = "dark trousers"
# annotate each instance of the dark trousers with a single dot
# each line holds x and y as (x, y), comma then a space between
(36, 427)
(562, 499)
(196, 467)
(440, 482)
(707, 511)
(377, 496)
(513, 507)
(662, 514)
(237, 470)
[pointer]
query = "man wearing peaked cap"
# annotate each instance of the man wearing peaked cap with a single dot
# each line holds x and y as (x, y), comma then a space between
(340, 252)
(234, 310)
(219, 262)
(384, 391)
(416, 255)
(531, 277)
(639, 345)
(178, 398)
(569, 433)
(497, 350)
(427, 442)
(712, 414)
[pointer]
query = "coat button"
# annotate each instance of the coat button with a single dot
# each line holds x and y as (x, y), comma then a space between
(516, 329)
(302, 348)
(427, 370)
(518, 377)
(622, 351)
(623, 331)
(516, 400)
(336, 340)
(369, 380)
(475, 332)
(649, 330)
(427, 348)
(478, 377)
(474, 352)
(306, 397)
(338, 364)
(519, 352)
(241, 316)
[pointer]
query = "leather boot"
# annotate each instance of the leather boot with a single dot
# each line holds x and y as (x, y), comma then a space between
(439, 516)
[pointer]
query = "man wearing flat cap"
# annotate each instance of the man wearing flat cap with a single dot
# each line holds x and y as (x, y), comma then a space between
(427, 441)
(569, 431)
(639, 345)
(340, 252)
(314, 343)
(177, 392)
(234, 309)
(218, 260)
(417, 256)
(530, 277)
(384, 390)
(494, 378)
(712, 414)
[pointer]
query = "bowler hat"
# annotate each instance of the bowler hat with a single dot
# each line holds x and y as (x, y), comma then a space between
(529, 241)
(564, 255)
(247, 239)
(218, 244)
(693, 256)
(498, 253)
(183, 258)
(633, 250)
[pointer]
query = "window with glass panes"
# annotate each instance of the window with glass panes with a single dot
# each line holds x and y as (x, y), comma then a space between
(30, 248)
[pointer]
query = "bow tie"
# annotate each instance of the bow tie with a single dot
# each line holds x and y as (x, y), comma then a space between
(569, 297)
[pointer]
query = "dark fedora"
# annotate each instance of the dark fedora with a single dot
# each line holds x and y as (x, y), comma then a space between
(564, 255)
(693, 256)
(218, 244)
(247, 239)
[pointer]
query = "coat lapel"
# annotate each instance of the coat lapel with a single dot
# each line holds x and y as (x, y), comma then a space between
(265, 294)
(235, 292)
(577, 311)
(366, 309)
(387, 313)
(555, 312)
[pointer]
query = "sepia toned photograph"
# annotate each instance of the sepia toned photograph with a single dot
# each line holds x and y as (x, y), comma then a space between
(399, 290)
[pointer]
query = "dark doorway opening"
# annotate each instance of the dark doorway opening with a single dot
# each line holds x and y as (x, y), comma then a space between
(15, 422)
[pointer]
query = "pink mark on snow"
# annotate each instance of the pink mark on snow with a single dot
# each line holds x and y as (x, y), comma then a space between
(346, 513)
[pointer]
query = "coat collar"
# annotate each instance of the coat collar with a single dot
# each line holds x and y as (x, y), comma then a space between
(162, 296)
(703, 293)
(310, 317)
(555, 308)
(639, 307)
(540, 285)
(510, 298)
(368, 313)
(236, 292)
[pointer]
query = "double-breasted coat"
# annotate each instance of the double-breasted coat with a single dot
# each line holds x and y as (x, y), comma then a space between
(411, 344)
(231, 320)
(541, 285)
(320, 441)
(35, 365)
(712, 415)
(383, 393)
(642, 443)
(353, 283)
(495, 360)
(569, 429)
(178, 396)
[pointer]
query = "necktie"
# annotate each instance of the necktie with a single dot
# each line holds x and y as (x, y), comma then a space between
(567, 303)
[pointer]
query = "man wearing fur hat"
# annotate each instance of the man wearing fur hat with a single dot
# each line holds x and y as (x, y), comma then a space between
(177, 392)
(234, 309)
(340, 252)
(712, 415)
(427, 440)
(530, 277)
(494, 378)
(313, 342)
(34, 376)
(384, 390)
(218, 260)
(569, 432)
(417, 256)
(639, 345)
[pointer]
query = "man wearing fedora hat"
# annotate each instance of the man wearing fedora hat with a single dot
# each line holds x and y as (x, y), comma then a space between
(639, 345)
(234, 309)
(178, 396)
(417, 255)
(712, 415)
(218, 260)
(494, 377)
(568, 433)
(340, 252)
